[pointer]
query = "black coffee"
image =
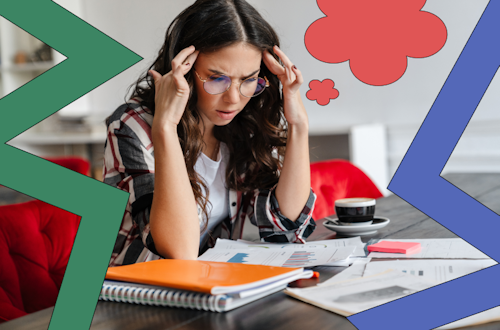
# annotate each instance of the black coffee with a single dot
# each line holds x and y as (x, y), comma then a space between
(355, 209)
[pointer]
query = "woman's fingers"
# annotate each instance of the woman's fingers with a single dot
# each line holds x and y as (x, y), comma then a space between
(298, 74)
(272, 64)
(287, 72)
(181, 64)
(187, 64)
(287, 63)
(155, 75)
(181, 57)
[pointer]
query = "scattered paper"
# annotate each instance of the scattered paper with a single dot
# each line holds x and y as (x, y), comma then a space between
(443, 248)
(354, 296)
(285, 257)
(356, 270)
(325, 244)
(438, 270)
(317, 248)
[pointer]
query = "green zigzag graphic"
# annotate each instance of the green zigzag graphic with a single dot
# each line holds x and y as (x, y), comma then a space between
(92, 59)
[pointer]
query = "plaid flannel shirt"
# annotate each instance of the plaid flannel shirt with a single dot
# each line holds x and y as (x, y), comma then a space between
(129, 165)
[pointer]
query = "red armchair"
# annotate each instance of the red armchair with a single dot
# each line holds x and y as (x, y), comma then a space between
(36, 239)
(336, 179)
(35, 244)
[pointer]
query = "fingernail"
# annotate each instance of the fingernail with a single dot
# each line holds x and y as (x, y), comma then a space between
(149, 73)
(188, 63)
(295, 67)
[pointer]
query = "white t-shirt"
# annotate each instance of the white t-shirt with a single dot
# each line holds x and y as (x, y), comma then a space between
(214, 175)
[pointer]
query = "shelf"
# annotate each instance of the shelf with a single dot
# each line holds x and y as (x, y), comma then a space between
(28, 67)
(60, 138)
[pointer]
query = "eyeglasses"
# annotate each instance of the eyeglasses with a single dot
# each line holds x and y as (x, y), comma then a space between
(217, 84)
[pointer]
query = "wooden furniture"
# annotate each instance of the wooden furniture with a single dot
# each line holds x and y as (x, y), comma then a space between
(279, 311)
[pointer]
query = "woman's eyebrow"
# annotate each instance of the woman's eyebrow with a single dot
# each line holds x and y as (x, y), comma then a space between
(224, 74)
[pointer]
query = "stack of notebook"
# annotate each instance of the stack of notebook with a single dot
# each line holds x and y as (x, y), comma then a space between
(203, 285)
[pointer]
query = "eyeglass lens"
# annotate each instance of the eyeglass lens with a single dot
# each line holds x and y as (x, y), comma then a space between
(217, 84)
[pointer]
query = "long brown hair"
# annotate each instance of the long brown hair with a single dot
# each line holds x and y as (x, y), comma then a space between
(259, 129)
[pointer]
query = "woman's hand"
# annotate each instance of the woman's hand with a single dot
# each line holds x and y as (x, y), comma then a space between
(174, 223)
(172, 90)
(294, 183)
(291, 79)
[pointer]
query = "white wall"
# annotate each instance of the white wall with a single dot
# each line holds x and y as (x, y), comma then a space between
(140, 25)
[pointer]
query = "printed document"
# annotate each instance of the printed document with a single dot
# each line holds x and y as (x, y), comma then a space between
(354, 296)
(356, 270)
(326, 244)
(438, 270)
(283, 255)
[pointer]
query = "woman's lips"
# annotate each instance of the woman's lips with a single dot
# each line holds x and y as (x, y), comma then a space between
(226, 115)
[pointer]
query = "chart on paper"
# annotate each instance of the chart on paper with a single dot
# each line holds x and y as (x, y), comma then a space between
(332, 244)
(281, 257)
(239, 258)
(299, 258)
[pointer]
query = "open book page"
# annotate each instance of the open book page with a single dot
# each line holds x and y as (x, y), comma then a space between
(437, 270)
(354, 296)
(436, 248)
(305, 257)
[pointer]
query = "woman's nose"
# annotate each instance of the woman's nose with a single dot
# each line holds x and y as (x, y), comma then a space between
(233, 95)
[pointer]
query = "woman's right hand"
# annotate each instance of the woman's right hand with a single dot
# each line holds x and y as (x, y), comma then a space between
(172, 90)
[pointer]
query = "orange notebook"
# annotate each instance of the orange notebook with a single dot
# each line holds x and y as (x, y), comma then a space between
(208, 285)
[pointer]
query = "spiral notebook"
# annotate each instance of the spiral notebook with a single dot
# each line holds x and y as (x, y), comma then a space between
(204, 285)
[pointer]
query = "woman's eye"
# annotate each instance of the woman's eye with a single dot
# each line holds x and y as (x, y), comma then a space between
(250, 80)
(217, 78)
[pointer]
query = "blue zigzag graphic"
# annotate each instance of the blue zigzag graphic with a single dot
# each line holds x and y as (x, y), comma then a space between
(418, 181)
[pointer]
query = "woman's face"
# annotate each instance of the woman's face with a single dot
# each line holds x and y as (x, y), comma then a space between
(238, 62)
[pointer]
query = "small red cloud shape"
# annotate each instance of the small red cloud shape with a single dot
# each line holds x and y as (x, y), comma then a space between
(322, 91)
(376, 36)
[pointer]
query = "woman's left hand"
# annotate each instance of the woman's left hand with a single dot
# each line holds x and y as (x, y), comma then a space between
(291, 79)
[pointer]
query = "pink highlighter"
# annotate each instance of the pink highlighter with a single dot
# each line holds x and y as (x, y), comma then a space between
(395, 247)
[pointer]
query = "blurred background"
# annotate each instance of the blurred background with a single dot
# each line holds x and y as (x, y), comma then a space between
(372, 126)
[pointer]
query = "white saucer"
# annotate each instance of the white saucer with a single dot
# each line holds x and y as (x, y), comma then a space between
(378, 223)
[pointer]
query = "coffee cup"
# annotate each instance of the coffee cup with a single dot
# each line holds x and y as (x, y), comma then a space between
(355, 211)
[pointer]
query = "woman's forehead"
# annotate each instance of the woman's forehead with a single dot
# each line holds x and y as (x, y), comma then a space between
(236, 60)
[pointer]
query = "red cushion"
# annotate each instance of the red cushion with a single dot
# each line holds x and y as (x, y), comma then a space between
(35, 243)
(76, 164)
(336, 179)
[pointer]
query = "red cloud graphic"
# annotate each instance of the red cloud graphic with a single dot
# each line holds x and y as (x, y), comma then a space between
(322, 91)
(376, 36)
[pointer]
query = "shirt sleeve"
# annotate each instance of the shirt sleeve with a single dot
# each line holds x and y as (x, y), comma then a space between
(273, 225)
(129, 166)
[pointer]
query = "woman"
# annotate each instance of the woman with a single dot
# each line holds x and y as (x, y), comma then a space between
(206, 131)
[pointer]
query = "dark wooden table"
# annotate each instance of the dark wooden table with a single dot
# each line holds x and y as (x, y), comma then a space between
(279, 311)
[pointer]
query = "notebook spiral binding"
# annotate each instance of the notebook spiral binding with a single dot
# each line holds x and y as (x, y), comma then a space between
(159, 297)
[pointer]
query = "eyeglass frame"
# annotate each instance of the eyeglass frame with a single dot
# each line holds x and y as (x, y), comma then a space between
(239, 88)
